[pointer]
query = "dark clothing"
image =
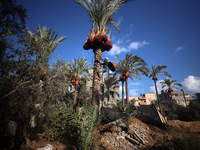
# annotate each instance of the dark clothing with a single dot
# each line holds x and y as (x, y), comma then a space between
(105, 65)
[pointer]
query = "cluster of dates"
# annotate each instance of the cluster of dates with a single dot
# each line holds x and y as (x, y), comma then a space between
(125, 75)
(98, 41)
(74, 80)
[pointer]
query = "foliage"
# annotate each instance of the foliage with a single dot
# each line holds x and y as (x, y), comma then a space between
(131, 66)
(12, 18)
(101, 10)
(74, 125)
(89, 124)
(190, 113)
(172, 110)
(170, 83)
(41, 43)
(65, 121)
(158, 71)
(127, 110)
(196, 97)
(153, 73)
(155, 102)
(78, 68)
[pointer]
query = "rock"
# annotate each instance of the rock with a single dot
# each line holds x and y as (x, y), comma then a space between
(115, 129)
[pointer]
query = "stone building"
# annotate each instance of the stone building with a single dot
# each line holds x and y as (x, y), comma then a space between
(180, 97)
(143, 99)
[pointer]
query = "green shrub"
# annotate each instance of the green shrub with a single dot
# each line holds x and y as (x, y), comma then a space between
(64, 122)
(77, 126)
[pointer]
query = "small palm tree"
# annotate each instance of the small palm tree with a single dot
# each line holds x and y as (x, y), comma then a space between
(79, 66)
(131, 66)
(42, 42)
(157, 71)
(170, 84)
(100, 13)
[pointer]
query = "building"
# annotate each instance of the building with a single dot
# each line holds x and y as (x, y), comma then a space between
(143, 99)
(180, 97)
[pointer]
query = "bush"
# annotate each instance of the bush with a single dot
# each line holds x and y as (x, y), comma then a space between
(190, 113)
(77, 126)
(64, 122)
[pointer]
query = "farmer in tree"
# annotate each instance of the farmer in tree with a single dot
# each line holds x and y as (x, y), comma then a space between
(103, 70)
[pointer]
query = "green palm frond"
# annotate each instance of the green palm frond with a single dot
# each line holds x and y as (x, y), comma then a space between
(79, 66)
(196, 96)
(43, 42)
(133, 64)
(100, 11)
(88, 126)
(168, 82)
(158, 71)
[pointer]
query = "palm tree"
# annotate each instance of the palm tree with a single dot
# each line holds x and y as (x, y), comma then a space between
(100, 13)
(131, 66)
(196, 97)
(157, 71)
(42, 42)
(111, 83)
(170, 84)
(79, 66)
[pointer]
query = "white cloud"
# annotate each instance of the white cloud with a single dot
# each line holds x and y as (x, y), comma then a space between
(192, 83)
(133, 92)
(159, 87)
(117, 48)
(178, 49)
(130, 31)
(119, 20)
(120, 89)
(135, 83)
(136, 45)
(120, 41)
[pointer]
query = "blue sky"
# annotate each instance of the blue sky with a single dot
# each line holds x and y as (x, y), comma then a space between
(163, 32)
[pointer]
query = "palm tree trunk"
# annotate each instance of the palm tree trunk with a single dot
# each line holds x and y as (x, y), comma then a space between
(127, 97)
(123, 93)
(75, 95)
(157, 95)
(96, 82)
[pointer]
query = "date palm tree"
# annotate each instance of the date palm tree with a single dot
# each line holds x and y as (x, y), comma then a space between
(100, 13)
(42, 42)
(157, 71)
(131, 66)
(120, 70)
(168, 82)
(79, 66)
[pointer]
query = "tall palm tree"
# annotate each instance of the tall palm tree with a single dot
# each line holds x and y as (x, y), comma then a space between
(42, 42)
(100, 13)
(120, 70)
(79, 66)
(170, 84)
(157, 71)
(131, 66)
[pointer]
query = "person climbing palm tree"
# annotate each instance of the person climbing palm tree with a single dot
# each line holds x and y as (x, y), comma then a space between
(102, 71)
